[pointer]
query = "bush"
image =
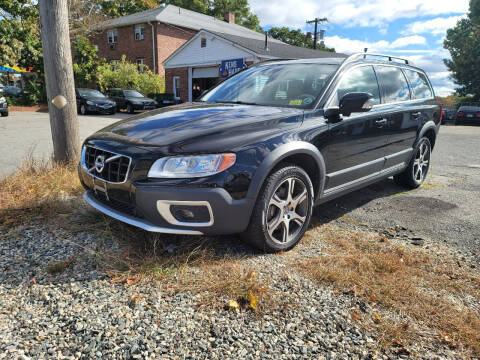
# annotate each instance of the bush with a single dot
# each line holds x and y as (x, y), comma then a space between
(127, 75)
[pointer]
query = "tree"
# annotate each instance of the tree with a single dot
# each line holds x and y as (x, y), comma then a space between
(85, 68)
(463, 43)
(59, 79)
(294, 37)
(127, 75)
(20, 42)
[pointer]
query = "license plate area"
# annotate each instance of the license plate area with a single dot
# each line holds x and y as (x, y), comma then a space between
(100, 186)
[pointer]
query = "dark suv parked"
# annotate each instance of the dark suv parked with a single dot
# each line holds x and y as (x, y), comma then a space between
(131, 100)
(264, 146)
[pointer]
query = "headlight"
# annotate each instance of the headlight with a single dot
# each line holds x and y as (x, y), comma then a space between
(2, 99)
(191, 166)
(90, 102)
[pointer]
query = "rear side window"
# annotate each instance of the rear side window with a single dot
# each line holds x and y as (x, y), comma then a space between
(360, 79)
(394, 84)
(419, 85)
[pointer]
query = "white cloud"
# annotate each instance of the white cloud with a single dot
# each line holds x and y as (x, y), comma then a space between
(437, 26)
(348, 46)
(349, 13)
(409, 40)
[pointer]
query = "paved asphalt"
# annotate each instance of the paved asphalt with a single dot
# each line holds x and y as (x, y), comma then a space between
(25, 132)
(445, 209)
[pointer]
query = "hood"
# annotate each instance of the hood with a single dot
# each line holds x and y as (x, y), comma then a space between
(98, 100)
(215, 126)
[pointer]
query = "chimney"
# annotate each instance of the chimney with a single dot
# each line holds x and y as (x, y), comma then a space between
(229, 17)
(309, 35)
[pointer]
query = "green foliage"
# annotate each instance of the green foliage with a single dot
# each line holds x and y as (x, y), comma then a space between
(20, 40)
(33, 94)
(86, 63)
(463, 43)
(126, 75)
(294, 37)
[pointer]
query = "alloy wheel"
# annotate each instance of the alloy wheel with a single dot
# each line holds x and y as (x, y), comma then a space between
(287, 210)
(421, 162)
(83, 110)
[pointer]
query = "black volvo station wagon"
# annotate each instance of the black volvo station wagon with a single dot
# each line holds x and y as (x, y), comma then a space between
(258, 151)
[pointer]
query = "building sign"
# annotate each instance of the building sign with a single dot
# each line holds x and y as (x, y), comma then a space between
(231, 67)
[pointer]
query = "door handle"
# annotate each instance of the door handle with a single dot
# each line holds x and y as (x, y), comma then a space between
(381, 122)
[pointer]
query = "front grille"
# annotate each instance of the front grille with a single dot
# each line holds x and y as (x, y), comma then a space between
(115, 166)
(120, 206)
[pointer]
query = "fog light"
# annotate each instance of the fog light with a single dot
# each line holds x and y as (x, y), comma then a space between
(184, 215)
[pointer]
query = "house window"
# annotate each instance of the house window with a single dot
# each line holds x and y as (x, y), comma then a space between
(112, 36)
(141, 65)
(203, 42)
(176, 87)
(139, 32)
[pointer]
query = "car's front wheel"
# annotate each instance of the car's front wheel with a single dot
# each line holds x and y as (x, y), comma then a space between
(130, 109)
(416, 172)
(83, 109)
(283, 210)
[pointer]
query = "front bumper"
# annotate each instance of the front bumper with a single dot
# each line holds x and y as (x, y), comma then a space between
(101, 109)
(3, 107)
(154, 208)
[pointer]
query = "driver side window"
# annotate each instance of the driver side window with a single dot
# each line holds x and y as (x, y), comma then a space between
(360, 79)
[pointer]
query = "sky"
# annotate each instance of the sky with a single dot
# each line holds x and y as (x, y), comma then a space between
(414, 29)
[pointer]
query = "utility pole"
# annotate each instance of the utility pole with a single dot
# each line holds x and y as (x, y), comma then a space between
(316, 21)
(59, 79)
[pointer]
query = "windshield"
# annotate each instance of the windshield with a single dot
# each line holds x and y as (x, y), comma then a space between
(133, 93)
(286, 85)
(90, 93)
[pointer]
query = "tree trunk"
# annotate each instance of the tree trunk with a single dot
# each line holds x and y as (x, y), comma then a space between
(59, 80)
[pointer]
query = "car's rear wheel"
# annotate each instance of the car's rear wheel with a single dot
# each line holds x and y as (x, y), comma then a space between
(283, 210)
(416, 172)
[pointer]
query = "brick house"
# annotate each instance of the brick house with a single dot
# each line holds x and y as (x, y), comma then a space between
(150, 37)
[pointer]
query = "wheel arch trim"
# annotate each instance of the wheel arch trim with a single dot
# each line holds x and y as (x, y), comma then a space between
(429, 125)
(277, 156)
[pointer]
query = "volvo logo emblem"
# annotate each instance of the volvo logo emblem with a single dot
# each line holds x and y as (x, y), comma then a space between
(99, 163)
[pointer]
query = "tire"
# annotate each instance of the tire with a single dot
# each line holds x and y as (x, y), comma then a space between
(130, 109)
(113, 112)
(4, 113)
(274, 210)
(416, 172)
(83, 109)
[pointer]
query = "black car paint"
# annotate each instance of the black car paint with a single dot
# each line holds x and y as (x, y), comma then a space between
(123, 100)
(101, 105)
(336, 153)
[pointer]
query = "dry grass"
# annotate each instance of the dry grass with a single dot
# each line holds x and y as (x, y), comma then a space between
(198, 265)
(37, 188)
(415, 292)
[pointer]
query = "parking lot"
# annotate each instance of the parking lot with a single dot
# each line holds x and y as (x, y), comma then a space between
(23, 133)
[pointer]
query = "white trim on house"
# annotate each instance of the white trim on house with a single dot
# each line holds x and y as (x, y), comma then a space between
(175, 60)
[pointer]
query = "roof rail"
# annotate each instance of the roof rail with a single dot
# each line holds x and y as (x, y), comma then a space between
(389, 57)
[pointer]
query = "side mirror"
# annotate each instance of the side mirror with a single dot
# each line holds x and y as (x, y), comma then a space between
(355, 102)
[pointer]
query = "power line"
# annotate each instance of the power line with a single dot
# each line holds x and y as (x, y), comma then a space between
(316, 21)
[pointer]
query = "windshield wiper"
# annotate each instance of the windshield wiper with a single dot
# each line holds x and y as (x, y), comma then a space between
(235, 102)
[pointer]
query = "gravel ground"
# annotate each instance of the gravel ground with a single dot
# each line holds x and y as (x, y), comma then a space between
(81, 314)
